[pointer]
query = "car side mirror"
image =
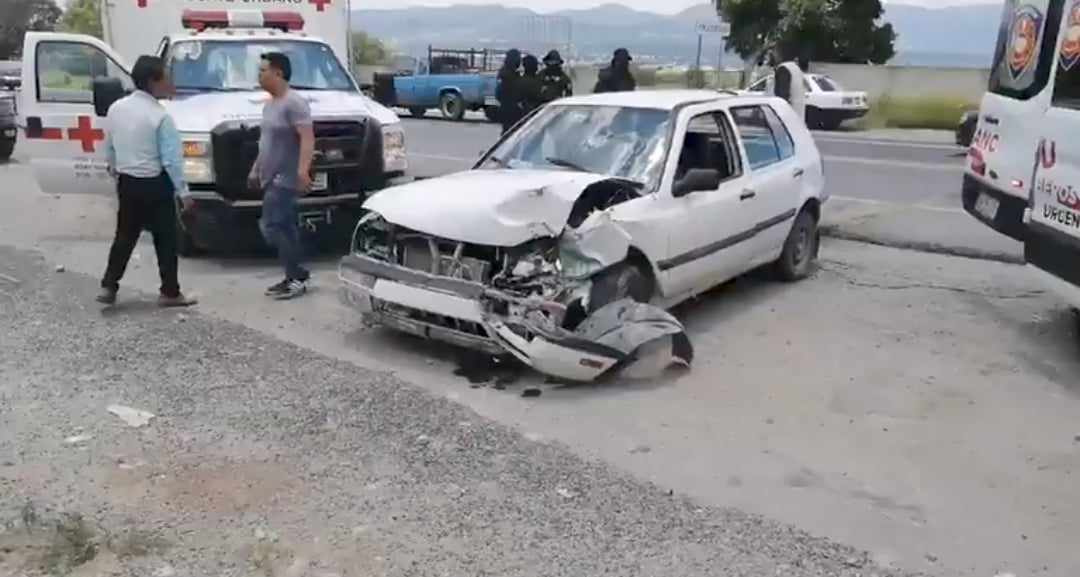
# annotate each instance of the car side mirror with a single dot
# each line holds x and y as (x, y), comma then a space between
(695, 180)
(106, 91)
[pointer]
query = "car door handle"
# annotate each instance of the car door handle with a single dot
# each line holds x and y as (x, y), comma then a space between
(991, 120)
(798, 173)
(747, 194)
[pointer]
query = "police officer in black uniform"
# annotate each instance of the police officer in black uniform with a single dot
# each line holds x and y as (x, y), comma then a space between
(617, 77)
(530, 84)
(508, 91)
(554, 83)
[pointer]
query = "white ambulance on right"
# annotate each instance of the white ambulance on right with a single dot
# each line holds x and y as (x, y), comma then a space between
(1023, 171)
(1052, 242)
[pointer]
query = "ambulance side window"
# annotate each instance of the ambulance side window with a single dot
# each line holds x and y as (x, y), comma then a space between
(66, 71)
(1024, 53)
(1067, 84)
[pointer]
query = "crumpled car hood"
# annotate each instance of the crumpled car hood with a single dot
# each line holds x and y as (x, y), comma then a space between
(490, 207)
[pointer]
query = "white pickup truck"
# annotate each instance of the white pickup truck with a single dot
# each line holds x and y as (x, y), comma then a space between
(212, 53)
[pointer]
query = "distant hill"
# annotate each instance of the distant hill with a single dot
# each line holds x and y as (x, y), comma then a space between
(952, 36)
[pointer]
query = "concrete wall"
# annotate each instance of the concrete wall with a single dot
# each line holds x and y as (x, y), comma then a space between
(909, 82)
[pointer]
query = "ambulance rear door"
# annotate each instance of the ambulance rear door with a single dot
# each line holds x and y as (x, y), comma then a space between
(1053, 243)
(1000, 154)
(64, 137)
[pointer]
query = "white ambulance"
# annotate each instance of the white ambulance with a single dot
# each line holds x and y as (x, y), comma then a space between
(212, 49)
(1052, 240)
(998, 172)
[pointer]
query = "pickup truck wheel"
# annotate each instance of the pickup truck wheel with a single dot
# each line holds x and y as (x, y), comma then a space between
(800, 249)
(7, 147)
(418, 112)
(814, 118)
(623, 280)
(452, 106)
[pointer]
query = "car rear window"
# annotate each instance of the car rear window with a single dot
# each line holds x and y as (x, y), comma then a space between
(827, 84)
(1023, 55)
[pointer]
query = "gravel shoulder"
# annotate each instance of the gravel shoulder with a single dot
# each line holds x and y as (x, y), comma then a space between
(266, 459)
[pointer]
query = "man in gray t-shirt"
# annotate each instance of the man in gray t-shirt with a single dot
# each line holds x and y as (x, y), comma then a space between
(283, 170)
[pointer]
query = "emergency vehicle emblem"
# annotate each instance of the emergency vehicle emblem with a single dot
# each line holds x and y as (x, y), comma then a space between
(1070, 46)
(1024, 40)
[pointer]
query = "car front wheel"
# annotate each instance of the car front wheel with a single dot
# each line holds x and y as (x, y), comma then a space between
(800, 249)
(7, 147)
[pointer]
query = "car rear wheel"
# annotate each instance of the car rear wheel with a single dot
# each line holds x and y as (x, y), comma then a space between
(800, 249)
(452, 106)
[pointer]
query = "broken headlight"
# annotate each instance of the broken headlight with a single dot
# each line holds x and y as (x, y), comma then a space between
(372, 237)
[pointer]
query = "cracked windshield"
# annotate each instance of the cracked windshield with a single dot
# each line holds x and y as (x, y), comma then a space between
(629, 288)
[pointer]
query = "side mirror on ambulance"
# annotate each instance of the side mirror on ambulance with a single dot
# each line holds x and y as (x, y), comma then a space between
(106, 91)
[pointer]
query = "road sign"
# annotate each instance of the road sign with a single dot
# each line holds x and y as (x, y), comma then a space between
(721, 28)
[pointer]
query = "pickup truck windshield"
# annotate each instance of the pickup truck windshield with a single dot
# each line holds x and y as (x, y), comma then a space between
(226, 65)
(628, 143)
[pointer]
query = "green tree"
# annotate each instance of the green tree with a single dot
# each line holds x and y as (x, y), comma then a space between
(82, 17)
(368, 50)
(806, 30)
(19, 17)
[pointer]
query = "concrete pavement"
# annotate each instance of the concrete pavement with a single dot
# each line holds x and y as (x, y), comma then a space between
(920, 407)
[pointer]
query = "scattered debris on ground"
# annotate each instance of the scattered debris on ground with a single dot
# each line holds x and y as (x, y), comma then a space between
(134, 418)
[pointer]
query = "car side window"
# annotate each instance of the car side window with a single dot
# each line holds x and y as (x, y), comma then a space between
(66, 72)
(758, 139)
(709, 144)
(784, 143)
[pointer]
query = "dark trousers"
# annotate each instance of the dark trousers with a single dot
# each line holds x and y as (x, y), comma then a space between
(145, 204)
(282, 231)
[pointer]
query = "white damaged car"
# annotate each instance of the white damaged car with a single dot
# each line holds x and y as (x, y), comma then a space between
(567, 241)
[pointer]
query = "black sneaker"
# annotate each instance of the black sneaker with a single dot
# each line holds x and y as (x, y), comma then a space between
(292, 290)
(278, 289)
(106, 297)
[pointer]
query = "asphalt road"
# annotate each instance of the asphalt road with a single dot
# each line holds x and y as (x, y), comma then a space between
(921, 407)
(903, 193)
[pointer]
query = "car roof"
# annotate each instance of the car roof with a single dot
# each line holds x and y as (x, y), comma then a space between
(656, 99)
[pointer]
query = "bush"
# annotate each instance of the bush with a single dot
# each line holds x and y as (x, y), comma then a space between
(930, 112)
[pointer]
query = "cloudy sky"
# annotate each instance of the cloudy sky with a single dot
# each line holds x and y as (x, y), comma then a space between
(664, 6)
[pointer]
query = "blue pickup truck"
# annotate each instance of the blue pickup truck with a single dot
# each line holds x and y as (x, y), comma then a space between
(452, 81)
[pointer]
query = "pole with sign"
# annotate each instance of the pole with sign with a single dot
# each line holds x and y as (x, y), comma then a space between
(723, 29)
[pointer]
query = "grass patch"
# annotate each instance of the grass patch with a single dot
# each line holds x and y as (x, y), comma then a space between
(939, 113)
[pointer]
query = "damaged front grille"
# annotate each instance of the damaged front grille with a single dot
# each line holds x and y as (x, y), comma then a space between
(451, 259)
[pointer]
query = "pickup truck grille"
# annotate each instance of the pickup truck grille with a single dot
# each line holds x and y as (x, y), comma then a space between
(349, 152)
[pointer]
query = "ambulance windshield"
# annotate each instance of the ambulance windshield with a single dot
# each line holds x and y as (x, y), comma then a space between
(230, 65)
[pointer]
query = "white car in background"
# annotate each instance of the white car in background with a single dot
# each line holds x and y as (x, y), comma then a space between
(828, 104)
(565, 243)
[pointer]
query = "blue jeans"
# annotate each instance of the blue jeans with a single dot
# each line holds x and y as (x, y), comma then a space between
(280, 229)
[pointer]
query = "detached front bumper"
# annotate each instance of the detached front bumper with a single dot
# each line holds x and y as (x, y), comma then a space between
(461, 313)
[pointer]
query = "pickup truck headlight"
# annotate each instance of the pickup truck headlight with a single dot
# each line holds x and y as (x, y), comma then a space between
(393, 146)
(198, 162)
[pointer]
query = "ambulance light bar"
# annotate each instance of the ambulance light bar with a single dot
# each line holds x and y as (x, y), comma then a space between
(200, 20)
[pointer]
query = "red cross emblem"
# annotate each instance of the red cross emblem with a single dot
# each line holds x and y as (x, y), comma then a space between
(320, 5)
(141, 3)
(86, 134)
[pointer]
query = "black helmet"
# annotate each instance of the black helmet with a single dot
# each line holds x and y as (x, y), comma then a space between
(623, 54)
(530, 64)
(513, 58)
(553, 58)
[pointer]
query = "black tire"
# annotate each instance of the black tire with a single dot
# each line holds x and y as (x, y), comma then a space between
(491, 113)
(618, 282)
(800, 249)
(814, 118)
(7, 147)
(417, 112)
(830, 123)
(452, 106)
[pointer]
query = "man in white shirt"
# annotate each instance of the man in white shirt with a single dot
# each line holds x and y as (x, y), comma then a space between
(144, 154)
